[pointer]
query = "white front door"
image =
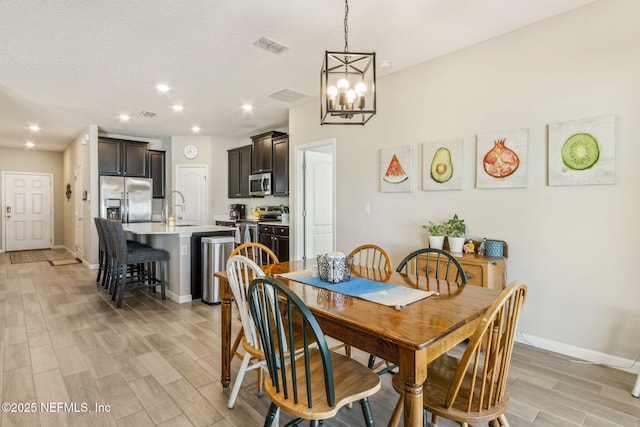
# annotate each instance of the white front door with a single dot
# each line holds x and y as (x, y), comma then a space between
(191, 181)
(28, 211)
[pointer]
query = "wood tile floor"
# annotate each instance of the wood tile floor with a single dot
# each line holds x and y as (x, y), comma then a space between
(157, 363)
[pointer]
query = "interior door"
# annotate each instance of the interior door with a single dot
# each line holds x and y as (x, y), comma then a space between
(79, 213)
(191, 181)
(318, 201)
(28, 211)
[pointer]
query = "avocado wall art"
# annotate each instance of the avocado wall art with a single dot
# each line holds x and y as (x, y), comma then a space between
(502, 159)
(582, 152)
(442, 165)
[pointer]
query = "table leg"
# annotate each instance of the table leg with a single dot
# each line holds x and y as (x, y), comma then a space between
(225, 333)
(413, 371)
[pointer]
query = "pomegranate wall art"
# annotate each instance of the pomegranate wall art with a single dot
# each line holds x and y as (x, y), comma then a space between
(502, 159)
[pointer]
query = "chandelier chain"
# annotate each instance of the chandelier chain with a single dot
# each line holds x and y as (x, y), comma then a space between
(346, 26)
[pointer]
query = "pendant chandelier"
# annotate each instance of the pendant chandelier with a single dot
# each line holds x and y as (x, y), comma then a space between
(347, 84)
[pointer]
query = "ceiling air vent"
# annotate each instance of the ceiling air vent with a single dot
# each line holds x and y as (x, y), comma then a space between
(288, 95)
(147, 114)
(270, 45)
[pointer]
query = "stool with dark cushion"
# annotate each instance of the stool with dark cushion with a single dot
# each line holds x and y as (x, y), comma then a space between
(135, 255)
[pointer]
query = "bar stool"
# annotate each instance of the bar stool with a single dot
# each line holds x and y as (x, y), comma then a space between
(142, 258)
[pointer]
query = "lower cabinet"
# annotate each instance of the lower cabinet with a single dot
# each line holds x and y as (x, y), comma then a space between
(276, 238)
(483, 271)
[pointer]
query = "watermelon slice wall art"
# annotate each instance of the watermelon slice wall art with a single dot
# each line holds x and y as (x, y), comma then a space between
(395, 169)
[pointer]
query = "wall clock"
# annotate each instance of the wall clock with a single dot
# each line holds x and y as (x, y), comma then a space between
(190, 151)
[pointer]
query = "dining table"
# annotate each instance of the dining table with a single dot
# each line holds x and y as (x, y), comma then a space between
(409, 336)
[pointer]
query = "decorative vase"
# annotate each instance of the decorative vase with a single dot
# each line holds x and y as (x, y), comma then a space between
(436, 242)
(456, 244)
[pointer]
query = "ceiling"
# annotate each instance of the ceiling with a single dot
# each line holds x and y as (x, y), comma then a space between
(67, 63)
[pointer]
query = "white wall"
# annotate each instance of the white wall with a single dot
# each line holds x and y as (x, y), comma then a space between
(575, 247)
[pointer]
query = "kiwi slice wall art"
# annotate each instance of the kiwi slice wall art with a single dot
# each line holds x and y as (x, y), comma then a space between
(582, 152)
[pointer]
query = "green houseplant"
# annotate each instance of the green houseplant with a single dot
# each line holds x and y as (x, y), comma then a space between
(456, 230)
(436, 234)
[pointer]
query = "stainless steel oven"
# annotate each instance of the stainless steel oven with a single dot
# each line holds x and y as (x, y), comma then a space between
(260, 184)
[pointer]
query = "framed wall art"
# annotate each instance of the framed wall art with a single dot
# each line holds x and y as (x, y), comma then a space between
(502, 159)
(396, 169)
(583, 152)
(442, 165)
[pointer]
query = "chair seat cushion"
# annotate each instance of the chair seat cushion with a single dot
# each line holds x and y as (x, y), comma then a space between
(139, 254)
(353, 382)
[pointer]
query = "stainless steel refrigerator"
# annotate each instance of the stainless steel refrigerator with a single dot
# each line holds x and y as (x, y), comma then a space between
(126, 199)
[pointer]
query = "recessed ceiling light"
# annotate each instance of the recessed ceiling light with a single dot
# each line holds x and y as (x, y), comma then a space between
(177, 107)
(195, 129)
(30, 144)
(247, 107)
(163, 87)
(125, 117)
(34, 128)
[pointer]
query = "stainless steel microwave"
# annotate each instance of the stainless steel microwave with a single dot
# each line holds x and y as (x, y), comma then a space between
(260, 184)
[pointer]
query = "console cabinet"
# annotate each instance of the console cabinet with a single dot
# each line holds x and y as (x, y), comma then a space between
(483, 271)
(122, 158)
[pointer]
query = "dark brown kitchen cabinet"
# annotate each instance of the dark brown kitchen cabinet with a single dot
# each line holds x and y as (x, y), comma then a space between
(239, 170)
(281, 166)
(276, 238)
(121, 157)
(157, 172)
(262, 151)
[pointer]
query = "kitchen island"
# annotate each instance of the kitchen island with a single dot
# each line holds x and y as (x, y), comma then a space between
(177, 241)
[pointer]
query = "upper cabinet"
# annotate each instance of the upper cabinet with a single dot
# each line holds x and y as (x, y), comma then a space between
(157, 172)
(121, 157)
(262, 151)
(281, 166)
(239, 171)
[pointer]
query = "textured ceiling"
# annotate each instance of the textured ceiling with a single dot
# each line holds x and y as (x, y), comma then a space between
(66, 64)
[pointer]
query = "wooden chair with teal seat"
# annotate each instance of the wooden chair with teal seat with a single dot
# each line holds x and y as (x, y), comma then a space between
(321, 381)
(473, 389)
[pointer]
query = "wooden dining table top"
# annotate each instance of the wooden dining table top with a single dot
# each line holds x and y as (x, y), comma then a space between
(410, 337)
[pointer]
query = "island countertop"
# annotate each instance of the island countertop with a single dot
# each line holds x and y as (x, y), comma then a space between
(181, 230)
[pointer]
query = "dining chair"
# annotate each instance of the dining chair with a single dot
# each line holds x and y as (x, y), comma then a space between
(142, 258)
(317, 382)
(473, 389)
(261, 255)
(375, 257)
(371, 256)
(437, 263)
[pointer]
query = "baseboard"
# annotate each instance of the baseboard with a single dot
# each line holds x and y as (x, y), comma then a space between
(179, 299)
(583, 354)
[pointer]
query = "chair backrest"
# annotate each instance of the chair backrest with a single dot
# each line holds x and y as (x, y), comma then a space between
(102, 243)
(481, 377)
(430, 262)
(240, 272)
(119, 246)
(371, 256)
(256, 252)
(276, 309)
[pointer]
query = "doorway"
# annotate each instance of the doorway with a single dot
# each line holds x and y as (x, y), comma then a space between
(79, 213)
(28, 211)
(191, 181)
(315, 199)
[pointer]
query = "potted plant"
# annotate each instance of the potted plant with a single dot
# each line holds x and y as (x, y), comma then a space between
(436, 234)
(455, 230)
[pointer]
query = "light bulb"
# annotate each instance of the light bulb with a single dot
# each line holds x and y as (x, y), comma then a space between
(361, 89)
(343, 85)
(332, 91)
(351, 96)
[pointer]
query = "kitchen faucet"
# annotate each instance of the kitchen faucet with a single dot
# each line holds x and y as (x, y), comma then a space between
(169, 205)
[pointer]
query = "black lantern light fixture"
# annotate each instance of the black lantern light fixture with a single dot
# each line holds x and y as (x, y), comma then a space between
(347, 84)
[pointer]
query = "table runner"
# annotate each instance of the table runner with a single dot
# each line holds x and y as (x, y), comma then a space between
(381, 293)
